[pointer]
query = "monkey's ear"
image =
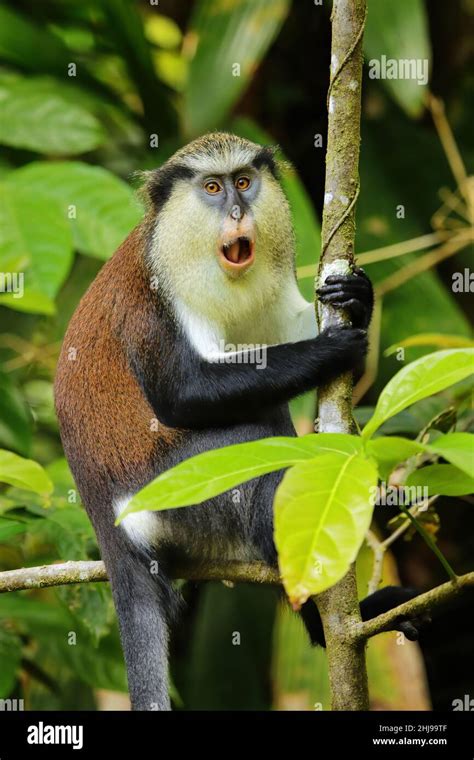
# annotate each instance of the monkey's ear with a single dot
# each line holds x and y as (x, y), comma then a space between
(158, 183)
(267, 156)
(271, 157)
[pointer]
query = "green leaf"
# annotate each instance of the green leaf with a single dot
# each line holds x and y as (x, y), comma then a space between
(399, 31)
(49, 625)
(34, 229)
(71, 531)
(29, 46)
(10, 658)
(323, 510)
(201, 477)
(105, 207)
(15, 420)
(10, 528)
(23, 473)
(90, 604)
(443, 480)
(162, 31)
(36, 116)
(421, 378)
(390, 451)
(229, 34)
(458, 449)
(126, 34)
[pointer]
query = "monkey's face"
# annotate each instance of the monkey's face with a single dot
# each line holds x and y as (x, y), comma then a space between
(224, 224)
(232, 197)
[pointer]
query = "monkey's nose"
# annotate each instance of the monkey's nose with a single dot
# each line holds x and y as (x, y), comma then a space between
(236, 212)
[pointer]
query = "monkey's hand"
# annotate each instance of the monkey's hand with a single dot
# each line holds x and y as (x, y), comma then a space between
(346, 349)
(352, 292)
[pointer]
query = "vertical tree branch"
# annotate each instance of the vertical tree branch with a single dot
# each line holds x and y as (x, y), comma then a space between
(339, 606)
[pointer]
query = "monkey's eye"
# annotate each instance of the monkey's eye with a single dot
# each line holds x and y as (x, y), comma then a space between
(212, 187)
(242, 183)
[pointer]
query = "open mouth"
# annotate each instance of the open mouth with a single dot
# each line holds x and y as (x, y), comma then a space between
(237, 254)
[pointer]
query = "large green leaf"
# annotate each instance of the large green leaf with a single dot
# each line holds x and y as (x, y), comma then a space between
(458, 449)
(105, 207)
(23, 473)
(389, 451)
(201, 477)
(34, 230)
(228, 34)
(443, 480)
(423, 377)
(399, 30)
(29, 46)
(323, 510)
(15, 421)
(36, 116)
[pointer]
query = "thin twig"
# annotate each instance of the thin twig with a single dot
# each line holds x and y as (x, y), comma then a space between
(422, 264)
(448, 142)
(387, 251)
(425, 604)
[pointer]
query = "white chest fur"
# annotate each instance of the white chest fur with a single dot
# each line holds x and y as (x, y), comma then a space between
(287, 319)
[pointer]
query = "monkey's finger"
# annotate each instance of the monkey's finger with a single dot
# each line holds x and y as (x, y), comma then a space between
(351, 281)
(360, 272)
(342, 301)
(408, 629)
(342, 295)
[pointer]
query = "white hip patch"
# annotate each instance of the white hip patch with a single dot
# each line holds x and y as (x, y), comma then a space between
(143, 528)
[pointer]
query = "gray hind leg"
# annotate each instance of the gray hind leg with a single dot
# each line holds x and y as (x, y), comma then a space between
(143, 602)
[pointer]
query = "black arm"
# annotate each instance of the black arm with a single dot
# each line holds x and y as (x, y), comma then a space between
(187, 391)
(196, 393)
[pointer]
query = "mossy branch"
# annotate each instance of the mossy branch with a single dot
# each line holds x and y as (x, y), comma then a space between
(339, 606)
(84, 571)
(65, 573)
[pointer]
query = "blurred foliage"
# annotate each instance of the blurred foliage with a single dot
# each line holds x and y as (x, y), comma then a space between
(90, 93)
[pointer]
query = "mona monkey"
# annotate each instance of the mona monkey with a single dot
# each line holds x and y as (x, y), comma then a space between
(144, 382)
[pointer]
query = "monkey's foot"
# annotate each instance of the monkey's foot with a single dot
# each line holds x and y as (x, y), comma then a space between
(377, 603)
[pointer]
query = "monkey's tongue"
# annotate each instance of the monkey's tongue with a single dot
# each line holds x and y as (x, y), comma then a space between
(237, 252)
(232, 253)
